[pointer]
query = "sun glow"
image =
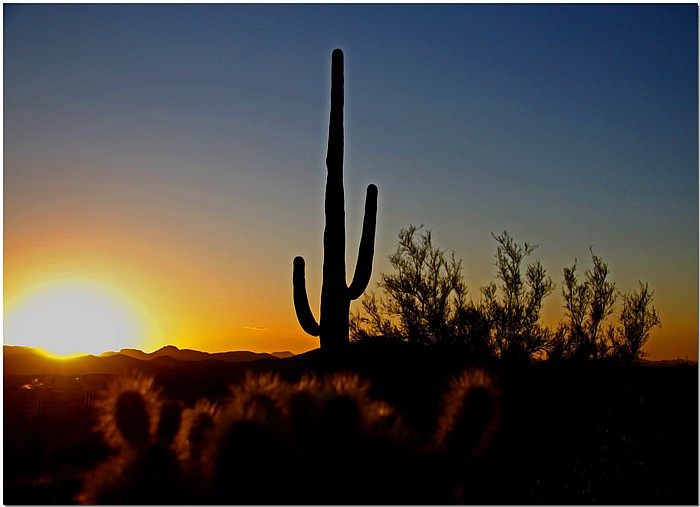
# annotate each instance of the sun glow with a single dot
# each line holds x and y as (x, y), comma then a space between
(69, 318)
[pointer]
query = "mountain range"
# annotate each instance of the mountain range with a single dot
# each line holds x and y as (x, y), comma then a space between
(19, 360)
(197, 355)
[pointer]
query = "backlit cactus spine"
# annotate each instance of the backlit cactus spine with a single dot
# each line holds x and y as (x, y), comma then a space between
(336, 295)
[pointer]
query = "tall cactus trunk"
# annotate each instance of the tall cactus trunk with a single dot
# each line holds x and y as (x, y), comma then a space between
(335, 302)
(334, 327)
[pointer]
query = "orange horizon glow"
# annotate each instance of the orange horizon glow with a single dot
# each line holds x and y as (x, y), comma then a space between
(167, 195)
(70, 316)
(197, 328)
(178, 300)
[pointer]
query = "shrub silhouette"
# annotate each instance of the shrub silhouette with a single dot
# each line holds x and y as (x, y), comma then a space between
(423, 294)
(425, 301)
(515, 314)
(319, 440)
(587, 304)
(637, 318)
(333, 329)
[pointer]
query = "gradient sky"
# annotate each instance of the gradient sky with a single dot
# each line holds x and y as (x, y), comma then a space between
(172, 156)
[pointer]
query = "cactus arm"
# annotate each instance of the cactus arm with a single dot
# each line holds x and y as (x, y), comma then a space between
(334, 324)
(301, 300)
(363, 269)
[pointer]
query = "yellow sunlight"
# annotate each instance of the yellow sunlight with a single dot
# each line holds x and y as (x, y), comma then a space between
(66, 318)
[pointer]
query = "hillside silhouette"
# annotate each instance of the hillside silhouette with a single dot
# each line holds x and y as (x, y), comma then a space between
(28, 361)
(197, 355)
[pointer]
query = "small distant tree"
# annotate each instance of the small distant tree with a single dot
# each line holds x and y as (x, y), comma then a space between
(571, 336)
(559, 347)
(471, 332)
(424, 294)
(587, 304)
(372, 321)
(602, 303)
(513, 308)
(637, 319)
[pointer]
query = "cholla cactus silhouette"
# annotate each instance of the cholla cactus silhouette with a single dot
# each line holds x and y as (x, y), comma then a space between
(268, 437)
(336, 295)
(249, 437)
(329, 429)
(192, 440)
(367, 441)
(466, 427)
(471, 411)
(132, 418)
(142, 429)
(127, 411)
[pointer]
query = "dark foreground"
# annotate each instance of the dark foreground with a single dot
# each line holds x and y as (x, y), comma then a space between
(568, 434)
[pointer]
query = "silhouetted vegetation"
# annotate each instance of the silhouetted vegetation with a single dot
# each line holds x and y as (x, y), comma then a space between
(333, 328)
(423, 295)
(587, 304)
(141, 428)
(513, 307)
(550, 432)
(636, 320)
(424, 300)
(320, 440)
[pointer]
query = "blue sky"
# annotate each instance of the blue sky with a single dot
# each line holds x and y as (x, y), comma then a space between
(201, 129)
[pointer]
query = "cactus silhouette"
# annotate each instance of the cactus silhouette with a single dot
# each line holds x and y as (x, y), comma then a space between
(470, 413)
(333, 328)
(319, 440)
(141, 428)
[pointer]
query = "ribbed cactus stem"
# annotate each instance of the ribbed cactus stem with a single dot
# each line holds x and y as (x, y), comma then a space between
(334, 326)
(132, 418)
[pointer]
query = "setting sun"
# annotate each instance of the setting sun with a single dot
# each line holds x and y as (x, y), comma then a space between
(70, 318)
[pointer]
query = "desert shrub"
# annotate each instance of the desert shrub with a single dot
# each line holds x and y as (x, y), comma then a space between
(424, 300)
(470, 333)
(513, 307)
(423, 293)
(587, 304)
(637, 318)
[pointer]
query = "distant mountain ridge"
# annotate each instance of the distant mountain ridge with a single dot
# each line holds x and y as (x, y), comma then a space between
(18, 360)
(197, 355)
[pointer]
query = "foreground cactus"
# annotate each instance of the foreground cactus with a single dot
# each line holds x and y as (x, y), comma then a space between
(333, 329)
(320, 440)
(141, 429)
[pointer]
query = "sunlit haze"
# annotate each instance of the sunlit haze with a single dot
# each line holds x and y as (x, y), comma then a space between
(164, 164)
(67, 318)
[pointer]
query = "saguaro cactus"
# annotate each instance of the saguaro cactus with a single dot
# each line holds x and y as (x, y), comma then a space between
(333, 329)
